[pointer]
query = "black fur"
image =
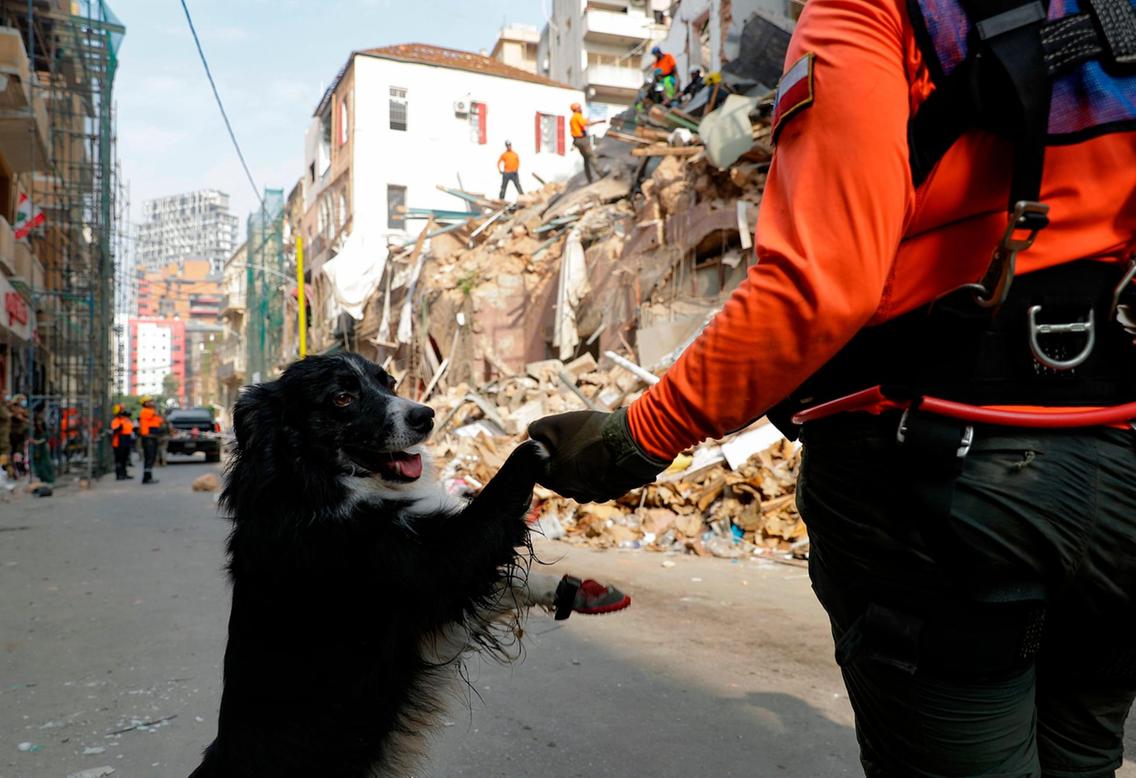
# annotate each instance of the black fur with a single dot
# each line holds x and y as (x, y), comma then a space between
(333, 610)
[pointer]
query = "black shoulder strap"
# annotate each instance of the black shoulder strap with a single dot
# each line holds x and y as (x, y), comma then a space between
(1003, 85)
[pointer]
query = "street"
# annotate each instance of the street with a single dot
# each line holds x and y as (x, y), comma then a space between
(113, 628)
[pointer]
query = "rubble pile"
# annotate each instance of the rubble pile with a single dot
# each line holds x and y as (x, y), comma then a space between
(576, 297)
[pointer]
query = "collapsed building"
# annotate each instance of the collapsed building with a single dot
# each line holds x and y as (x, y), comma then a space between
(577, 296)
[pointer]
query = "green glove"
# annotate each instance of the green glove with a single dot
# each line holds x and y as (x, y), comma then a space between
(593, 456)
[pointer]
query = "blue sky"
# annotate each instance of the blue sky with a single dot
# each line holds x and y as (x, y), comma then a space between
(271, 61)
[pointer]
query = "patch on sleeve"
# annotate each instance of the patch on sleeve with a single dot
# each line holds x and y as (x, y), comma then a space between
(794, 93)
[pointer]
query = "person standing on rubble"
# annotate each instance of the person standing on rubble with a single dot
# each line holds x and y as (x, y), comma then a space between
(666, 72)
(962, 364)
(149, 428)
(509, 165)
(578, 126)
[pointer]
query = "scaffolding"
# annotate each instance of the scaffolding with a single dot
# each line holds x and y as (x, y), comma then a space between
(72, 47)
(266, 276)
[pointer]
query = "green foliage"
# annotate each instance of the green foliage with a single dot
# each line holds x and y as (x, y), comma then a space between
(469, 282)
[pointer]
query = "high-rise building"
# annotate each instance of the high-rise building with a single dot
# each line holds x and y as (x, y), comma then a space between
(194, 224)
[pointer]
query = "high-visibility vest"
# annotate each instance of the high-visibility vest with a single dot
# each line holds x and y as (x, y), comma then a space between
(122, 426)
(148, 421)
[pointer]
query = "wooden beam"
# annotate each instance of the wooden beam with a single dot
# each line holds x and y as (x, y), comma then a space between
(666, 151)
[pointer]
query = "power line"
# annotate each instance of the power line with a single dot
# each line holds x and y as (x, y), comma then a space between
(221, 105)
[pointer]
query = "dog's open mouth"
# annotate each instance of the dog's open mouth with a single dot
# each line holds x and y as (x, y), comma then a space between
(399, 466)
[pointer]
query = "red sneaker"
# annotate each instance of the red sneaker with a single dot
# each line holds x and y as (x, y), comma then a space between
(588, 597)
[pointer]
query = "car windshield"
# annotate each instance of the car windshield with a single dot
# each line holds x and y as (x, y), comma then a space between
(190, 416)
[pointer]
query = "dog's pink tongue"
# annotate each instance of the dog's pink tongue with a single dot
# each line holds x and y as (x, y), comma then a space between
(408, 465)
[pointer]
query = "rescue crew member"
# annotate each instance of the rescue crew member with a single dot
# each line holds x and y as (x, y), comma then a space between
(665, 72)
(508, 165)
(149, 424)
(977, 562)
(122, 439)
(578, 126)
(692, 87)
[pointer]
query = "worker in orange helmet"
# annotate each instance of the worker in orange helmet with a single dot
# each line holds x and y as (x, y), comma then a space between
(943, 308)
(509, 165)
(665, 72)
(578, 126)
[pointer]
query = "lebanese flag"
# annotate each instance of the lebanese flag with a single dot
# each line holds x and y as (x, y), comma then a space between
(28, 217)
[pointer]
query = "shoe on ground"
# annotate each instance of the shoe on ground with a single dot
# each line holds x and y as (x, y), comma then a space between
(587, 596)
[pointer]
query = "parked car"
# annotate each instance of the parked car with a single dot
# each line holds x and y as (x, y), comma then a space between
(193, 430)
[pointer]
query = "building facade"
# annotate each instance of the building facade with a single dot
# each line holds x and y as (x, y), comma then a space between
(232, 360)
(516, 46)
(157, 350)
(397, 123)
(602, 47)
(193, 224)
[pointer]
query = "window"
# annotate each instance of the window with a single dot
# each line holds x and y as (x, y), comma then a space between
(549, 133)
(398, 108)
(343, 121)
(477, 116)
(323, 156)
(396, 200)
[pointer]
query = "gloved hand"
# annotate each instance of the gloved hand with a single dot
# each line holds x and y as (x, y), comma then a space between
(593, 456)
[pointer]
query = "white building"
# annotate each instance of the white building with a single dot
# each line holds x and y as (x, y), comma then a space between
(516, 46)
(602, 47)
(399, 121)
(154, 350)
(193, 224)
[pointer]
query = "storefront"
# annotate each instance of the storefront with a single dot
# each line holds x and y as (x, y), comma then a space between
(17, 337)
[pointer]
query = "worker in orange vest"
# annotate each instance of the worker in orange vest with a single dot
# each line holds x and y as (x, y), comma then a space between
(509, 165)
(943, 307)
(578, 126)
(122, 439)
(665, 72)
(149, 426)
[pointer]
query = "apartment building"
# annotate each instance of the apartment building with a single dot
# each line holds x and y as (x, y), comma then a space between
(516, 46)
(192, 224)
(157, 350)
(602, 48)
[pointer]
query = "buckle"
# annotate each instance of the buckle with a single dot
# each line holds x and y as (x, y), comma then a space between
(1029, 216)
(1086, 328)
(965, 441)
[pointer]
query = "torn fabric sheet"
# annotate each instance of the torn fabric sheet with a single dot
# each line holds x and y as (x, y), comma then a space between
(355, 273)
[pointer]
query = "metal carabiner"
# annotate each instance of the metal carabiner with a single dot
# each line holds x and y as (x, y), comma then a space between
(1087, 328)
(1027, 215)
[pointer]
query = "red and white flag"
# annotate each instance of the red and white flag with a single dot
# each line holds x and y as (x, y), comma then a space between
(794, 92)
(28, 217)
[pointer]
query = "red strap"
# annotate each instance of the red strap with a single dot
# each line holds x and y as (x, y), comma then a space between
(876, 399)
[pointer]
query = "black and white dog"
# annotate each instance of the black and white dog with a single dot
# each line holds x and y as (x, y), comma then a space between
(358, 583)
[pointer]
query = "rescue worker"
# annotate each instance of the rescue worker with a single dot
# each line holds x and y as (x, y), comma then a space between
(665, 72)
(578, 126)
(509, 165)
(18, 435)
(692, 87)
(122, 439)
(149, 424)
(968, 470)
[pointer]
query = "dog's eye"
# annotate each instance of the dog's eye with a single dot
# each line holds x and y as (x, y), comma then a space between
(343, 399)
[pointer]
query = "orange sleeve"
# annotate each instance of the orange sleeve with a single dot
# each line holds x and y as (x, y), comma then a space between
(836, 200)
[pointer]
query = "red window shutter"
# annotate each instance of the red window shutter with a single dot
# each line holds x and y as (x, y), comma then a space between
(537, 146)
(560, 135)
(482, 110)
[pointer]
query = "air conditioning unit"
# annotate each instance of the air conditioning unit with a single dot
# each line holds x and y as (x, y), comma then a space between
(461, 106)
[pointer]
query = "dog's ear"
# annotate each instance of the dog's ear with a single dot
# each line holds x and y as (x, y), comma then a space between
(258, 414)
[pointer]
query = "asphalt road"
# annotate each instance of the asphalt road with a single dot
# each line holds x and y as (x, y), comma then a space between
(112, 628)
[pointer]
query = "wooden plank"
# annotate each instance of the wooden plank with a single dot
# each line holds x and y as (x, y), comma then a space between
(666, 151)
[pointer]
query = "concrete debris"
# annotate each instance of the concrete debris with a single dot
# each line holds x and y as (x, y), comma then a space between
(93, 772)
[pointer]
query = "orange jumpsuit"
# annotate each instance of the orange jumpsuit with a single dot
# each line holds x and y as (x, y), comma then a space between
(845, 240)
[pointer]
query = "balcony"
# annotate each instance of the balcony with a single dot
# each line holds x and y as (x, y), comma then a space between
(232, 304)
(613, 78)
(22, 133)
(7, 248)
(16, 88)
(622, 29)
(27, 270)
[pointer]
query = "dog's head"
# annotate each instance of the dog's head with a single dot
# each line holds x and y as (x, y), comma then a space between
(329, 417)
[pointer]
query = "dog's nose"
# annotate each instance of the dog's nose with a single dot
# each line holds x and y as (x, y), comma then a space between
(420, 418)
